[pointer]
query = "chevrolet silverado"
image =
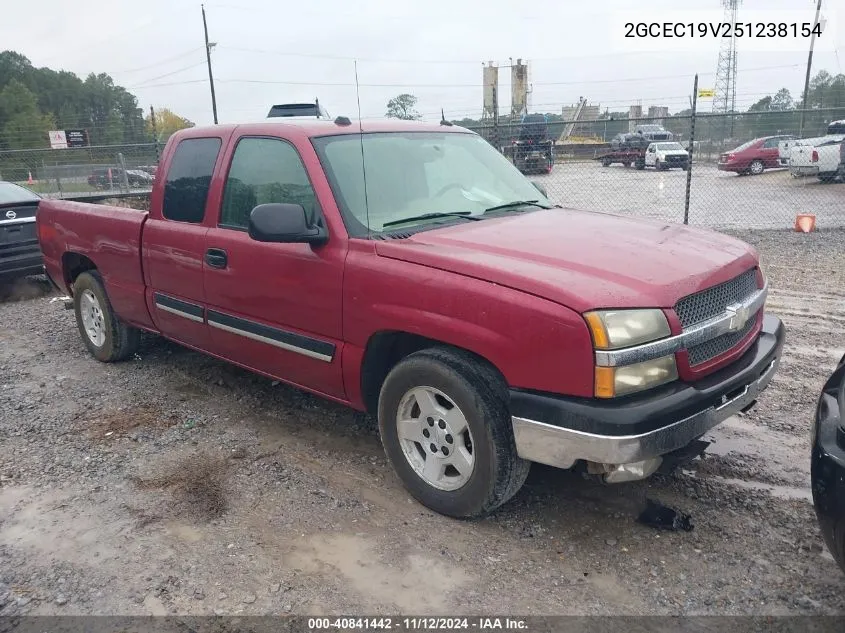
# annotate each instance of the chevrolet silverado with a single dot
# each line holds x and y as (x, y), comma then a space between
(410, 270)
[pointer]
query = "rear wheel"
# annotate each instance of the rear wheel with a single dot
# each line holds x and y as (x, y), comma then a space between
(104, 334)
(605, 162)
(756, 168)
(446, 429)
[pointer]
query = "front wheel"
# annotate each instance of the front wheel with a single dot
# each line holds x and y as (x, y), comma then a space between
(446, 429)
(104, 334)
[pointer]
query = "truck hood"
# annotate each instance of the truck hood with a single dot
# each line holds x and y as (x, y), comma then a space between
(673, 152)
(580, 259)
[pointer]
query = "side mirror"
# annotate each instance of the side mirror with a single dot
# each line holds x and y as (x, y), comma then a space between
(283, 223)
(540, 188)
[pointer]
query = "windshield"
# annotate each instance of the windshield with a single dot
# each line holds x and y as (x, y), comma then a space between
(10, 193)
(409, 174)
(665, 147)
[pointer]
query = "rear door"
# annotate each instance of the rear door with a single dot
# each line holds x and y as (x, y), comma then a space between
(275, 308)
(769, 152)
(174, 241)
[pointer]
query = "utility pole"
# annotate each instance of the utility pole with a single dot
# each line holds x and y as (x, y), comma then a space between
(809, 67)
(208, 57)
(691, 148)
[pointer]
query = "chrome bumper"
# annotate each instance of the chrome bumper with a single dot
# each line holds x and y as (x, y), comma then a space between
(562, 447)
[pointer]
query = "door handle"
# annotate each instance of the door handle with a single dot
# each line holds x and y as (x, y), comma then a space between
(216, 258)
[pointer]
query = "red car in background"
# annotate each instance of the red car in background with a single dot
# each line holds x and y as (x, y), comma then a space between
(754, 156)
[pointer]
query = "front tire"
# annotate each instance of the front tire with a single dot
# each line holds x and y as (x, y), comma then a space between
(446, 429)
(104, 334)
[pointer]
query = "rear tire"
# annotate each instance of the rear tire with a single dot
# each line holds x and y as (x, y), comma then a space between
(104, 334)
(440, 399)
(756, 168)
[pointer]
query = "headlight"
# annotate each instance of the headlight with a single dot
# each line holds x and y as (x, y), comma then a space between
(619, 381)
(613, 329)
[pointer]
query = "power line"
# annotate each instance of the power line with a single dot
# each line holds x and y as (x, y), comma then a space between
(174, 72)
(156, 64)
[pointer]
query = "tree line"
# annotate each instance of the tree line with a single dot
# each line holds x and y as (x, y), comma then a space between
(34, 101)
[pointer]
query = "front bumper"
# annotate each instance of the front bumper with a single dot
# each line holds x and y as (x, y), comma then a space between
(827, 466)
(560, 431)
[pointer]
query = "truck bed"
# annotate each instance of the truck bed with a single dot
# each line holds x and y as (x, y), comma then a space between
(73, 233)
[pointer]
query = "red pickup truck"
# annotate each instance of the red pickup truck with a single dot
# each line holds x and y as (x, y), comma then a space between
(409, 270)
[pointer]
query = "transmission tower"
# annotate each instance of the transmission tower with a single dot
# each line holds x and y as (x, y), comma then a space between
(724, 101)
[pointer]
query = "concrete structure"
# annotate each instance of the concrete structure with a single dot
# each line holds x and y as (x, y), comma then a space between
(634, 112)
(656, 114)
(490, 108)
(519, 89)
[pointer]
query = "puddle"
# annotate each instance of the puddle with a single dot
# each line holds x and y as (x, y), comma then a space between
(416, 584)
(782, 492)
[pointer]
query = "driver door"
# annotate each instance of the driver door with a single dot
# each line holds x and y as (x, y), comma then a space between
(275, 308)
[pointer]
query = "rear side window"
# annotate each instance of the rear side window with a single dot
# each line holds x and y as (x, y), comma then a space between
(188, 179)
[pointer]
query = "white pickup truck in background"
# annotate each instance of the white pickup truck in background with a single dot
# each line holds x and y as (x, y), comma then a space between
(834, 129)
(819, 159)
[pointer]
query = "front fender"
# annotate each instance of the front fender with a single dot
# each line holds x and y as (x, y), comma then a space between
(536, 344)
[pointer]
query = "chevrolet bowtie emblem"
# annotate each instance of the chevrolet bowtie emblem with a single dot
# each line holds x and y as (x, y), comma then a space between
(739, 316)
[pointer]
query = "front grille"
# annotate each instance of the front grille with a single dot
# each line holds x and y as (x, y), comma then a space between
(711, 349)
(713, 302)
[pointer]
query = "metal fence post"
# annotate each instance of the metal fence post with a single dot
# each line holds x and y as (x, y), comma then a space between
(691, 148)
(124, 180)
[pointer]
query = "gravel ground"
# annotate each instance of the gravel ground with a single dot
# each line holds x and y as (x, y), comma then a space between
(717, 199)
(175, 483)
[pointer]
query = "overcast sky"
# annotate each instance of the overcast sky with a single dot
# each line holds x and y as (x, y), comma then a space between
(270, 52)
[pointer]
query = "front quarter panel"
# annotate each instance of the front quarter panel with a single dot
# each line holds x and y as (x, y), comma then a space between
(535, 344)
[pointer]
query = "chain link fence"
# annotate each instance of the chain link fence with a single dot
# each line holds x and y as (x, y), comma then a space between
(81, 172)
(753, 170)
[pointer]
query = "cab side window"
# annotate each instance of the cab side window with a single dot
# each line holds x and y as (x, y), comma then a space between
(188, 179)
(265, 170)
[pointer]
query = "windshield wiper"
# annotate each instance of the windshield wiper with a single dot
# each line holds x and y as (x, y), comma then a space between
(515, 204)
(429, 216)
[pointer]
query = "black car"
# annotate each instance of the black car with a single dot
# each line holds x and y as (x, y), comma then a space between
(20, 254)
(828, 463)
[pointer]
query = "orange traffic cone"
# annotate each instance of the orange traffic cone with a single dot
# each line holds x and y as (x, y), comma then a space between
(29, 180)
(805, 223)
